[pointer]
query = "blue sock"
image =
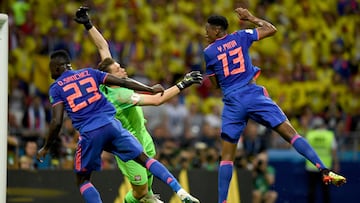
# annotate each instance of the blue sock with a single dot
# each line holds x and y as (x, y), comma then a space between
(224, 178)
(303, 147)
(159, 171)
(90, 193)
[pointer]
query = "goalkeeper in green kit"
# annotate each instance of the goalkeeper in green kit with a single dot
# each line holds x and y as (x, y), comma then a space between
(127, 104)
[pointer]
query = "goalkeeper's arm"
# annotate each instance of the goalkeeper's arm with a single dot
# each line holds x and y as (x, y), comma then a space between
(100, 43)
(189, 79)
(82, 17)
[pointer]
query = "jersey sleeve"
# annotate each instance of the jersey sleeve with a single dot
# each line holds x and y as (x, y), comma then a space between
(54, 95)
(127, 96)
(247, 35)
(100, 76)
(122, 97)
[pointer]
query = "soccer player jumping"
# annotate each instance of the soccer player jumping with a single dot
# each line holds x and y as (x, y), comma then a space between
(127, 104)
(77, 92)
(229, 67)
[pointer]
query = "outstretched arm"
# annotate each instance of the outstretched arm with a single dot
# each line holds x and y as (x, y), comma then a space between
(133, 84)
(157, 99)
(265, 29)
(191, 78)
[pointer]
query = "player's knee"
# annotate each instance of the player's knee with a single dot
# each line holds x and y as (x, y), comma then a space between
(256, 195)
(81, 178)
(228, 138)
(271, 195)
(142, 159)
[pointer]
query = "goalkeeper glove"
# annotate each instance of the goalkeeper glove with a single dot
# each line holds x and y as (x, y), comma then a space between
(82, 17)
(189, 79)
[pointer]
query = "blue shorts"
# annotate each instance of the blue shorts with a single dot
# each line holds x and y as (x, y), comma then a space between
(248, 102)
(112, 138)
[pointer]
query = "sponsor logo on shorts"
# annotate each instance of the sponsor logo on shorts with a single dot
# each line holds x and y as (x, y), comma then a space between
(137, 177)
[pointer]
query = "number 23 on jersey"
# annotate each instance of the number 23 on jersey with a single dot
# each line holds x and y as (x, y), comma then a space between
(90, 87)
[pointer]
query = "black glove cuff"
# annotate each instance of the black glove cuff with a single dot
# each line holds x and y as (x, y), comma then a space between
(181, 85)
(88, 25)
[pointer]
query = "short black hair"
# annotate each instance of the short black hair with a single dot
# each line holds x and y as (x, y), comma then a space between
(60, 55)
(218, 21)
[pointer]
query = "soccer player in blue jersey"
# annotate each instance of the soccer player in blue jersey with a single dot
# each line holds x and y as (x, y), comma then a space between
(77, 92)
(127, 104)
(229, 67)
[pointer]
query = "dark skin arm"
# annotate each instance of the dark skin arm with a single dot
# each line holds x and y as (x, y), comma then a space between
(133, 84)
(265, 29)
(54, 129)
(214, 81)
(58, 109)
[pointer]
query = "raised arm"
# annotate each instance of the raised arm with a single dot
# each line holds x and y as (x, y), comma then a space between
(82, 17)
(100, 42)
(265, 29)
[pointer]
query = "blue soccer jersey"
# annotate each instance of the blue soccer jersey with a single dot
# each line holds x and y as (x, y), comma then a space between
(228, 59)
(78, 89)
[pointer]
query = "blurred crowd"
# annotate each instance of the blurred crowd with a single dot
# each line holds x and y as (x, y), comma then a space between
(310, 68)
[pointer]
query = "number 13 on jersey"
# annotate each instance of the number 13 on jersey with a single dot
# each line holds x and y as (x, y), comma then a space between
(239, 59)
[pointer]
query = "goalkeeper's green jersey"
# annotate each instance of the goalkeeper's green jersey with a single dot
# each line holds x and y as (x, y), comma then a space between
(130, 115)
(132, 118)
